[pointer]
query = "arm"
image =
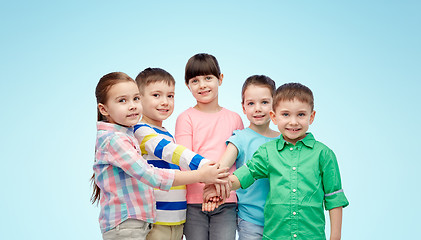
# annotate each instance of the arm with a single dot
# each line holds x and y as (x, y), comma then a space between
(229, 156)
(120, 152)
(210, 173)
(335, 215)
(155, 144)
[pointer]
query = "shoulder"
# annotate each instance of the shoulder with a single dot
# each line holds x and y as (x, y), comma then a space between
(187, 114)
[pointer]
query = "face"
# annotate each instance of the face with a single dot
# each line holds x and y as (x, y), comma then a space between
(293, 119)
(123, 105)
(257, 104)
(158, 102)
(205, 88)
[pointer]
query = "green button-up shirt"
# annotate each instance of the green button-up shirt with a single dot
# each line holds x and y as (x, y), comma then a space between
(302, 178)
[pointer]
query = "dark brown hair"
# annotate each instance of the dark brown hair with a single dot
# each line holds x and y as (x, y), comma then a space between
(152, 75)
(201, 64)
(259, 80)
(291, 91)
(101, 94)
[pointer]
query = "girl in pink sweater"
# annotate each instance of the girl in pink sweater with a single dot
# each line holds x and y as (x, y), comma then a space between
(204, 129)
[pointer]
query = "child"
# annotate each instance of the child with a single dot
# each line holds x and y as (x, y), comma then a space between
(257, 96)
(156, 88)
(123, 180)
(204, 129)
(303, 173)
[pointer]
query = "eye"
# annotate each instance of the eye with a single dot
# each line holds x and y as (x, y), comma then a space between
(250, 103)
(155, 95)
(208, 78)
(284, 114)
(122, 100)
(301, 114)
(265, 102)
(194, 81)
(170, 96)
(136, 98)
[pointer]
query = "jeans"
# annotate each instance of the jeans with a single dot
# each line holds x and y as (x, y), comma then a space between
(219, 224)
(130, 229)
(249, 231)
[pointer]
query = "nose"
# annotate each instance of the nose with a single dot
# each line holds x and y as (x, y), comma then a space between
(164, 101)
(293, 120)
(201, 83)
(132, 105)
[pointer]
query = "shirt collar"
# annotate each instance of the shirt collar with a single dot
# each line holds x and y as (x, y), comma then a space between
(111, 127)
(308, 141)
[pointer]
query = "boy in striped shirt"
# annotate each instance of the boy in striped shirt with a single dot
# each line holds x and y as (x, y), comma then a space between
(157, 146)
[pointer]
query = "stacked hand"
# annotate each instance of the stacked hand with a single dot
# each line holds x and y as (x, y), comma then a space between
(215, 195)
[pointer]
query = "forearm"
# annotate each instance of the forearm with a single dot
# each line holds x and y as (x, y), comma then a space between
(335, 223)
(186, 177)
(229, 156)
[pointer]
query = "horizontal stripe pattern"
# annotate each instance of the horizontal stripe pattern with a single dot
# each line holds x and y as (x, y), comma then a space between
(157, 145)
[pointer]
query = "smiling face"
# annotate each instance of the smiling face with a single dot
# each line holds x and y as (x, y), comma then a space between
(293, 119)
(205, 88)
(123, 105)
(257, 105)
(158, 102)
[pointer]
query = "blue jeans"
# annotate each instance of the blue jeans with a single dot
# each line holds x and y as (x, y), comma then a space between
(219, 224)
(249, 231)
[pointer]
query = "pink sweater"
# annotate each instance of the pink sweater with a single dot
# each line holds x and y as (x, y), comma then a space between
(205, 134)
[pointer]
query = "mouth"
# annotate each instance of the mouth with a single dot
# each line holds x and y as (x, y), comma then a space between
(133, 115)
(163, 110)
(204, 92)
(259, 116)
(293, 129)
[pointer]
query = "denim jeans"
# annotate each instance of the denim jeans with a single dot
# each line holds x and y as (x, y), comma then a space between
(128, 230)
(249, 231)
(219, 224)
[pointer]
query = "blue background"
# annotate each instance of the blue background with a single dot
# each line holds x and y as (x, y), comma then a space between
(360, 58)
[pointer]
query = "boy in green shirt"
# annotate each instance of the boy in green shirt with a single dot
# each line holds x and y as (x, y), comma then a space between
(303, 173)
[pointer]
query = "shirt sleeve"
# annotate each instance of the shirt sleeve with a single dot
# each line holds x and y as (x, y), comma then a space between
(124, 155)
(331, 180)
(184, 131)
(256, 168)
(154, 144)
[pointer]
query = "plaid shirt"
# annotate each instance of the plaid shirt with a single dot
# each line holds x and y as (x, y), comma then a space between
(124, 177)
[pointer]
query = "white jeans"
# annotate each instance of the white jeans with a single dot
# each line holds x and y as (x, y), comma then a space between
(128, 230)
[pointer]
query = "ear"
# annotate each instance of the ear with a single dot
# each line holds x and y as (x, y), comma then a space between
(313, 114)
(103, 109)
(244, 109)
(221, 77)
(273, 116)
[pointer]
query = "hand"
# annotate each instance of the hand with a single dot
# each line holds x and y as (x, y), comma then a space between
(211, 173)
(212, 204)
(212, 198)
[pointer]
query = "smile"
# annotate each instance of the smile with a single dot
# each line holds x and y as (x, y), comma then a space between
(133, 115)
(205, 92)
(293, 129)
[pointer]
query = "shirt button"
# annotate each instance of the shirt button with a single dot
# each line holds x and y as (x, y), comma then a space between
(295, 235)
(291, 149)
(294, 168)
(294, 190)
(294, 213)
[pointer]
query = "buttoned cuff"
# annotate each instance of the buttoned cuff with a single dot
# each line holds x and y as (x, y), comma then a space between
(167, 179)
(335, 199)
(244, 176)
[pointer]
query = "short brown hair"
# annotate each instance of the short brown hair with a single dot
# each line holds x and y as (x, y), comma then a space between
(291, 91)
(201, 64)
(259, 80)
(153, 75)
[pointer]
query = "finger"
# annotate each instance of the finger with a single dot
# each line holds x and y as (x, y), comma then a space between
(218, 189)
